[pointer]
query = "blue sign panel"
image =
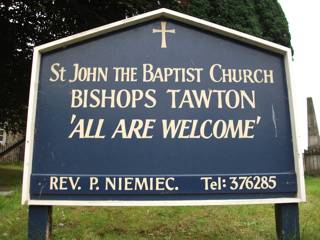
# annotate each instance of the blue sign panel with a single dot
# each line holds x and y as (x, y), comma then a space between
(161, 110)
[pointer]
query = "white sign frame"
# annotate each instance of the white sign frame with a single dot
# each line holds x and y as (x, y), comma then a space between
(198, 23)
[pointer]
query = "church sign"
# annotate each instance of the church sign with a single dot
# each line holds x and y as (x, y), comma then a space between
(161, 109)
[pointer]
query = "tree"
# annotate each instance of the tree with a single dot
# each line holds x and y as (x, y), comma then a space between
(25, 24)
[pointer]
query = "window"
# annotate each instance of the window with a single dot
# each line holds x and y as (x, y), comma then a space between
(2, 136)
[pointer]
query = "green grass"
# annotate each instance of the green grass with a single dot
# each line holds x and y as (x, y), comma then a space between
(217, 222)
(10, 175)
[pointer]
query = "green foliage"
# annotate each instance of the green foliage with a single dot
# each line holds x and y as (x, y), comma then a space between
(198, 8)
(261, 18)
(273, 22)
(25, 24)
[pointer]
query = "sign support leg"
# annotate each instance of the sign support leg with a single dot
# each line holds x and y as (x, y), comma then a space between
(40, 222)
(287, 221)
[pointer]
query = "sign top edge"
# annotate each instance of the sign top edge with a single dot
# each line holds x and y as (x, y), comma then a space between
(174, 15)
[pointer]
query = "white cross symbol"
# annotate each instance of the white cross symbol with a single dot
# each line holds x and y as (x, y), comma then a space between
(163, 32)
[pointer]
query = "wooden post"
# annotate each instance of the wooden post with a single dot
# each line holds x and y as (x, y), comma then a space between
(287, 221)
(40, 219)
